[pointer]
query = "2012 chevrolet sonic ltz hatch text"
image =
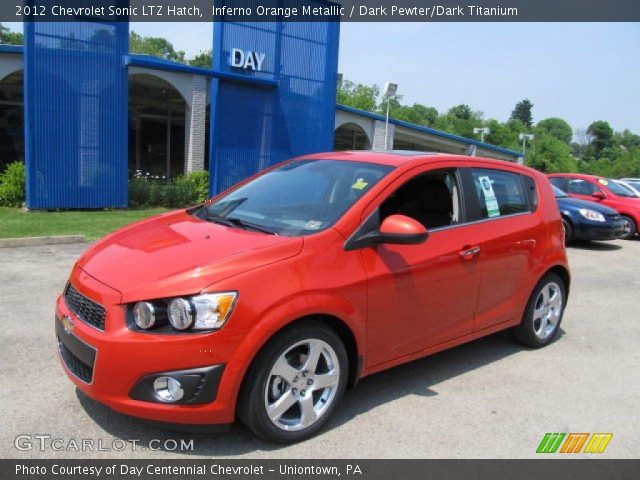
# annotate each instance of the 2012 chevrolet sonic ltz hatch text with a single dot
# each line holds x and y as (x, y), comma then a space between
(270, 299)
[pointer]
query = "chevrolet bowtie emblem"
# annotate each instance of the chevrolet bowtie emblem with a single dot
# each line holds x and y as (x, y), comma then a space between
(67, 324)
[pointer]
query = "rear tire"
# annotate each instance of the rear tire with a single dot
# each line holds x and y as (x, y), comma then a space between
(568, 232)
(630, 229)
(544, 312)
(295, 383)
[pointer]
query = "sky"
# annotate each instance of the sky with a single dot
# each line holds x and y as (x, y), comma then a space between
(581, 72)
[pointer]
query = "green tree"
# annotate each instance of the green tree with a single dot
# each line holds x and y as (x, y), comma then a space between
(505, 134)
(10, 38)
(602, 137)
(203, 59)
(460, 120)
(462, 112)
(356, 95)
(556, 127)
(523, 112)
(156, 46)
(549, 154)
(626, 139)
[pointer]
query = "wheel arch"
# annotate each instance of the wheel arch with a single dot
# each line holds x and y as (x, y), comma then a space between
(563, 273)
(257, 339)
(338, 326)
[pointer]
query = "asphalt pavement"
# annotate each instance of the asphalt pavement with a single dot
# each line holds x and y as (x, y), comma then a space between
(491, 398)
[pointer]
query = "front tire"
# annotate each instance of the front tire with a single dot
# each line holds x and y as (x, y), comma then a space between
(542, 317)
(630, 228)
(294, 383)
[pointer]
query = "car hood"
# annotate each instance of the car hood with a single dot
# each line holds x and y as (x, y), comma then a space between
(574, 204)
(178, 254)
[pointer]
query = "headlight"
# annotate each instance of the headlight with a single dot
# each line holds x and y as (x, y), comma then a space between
(180, 313)
(144, 315)
(212, 309)
(592, 215)
(209, 311)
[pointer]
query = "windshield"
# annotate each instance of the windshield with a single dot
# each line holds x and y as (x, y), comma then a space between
(558, 193)
(620, 189)
(299, 198)
(634, 183)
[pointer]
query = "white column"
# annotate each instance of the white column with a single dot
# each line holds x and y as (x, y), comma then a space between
(379, 134)
(195, 125)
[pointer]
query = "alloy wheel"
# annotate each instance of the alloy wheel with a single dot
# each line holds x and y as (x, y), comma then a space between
(547, 310)
(302, 384)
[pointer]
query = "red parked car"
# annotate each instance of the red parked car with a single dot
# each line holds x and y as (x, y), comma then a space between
(604, 191)
(270, 299)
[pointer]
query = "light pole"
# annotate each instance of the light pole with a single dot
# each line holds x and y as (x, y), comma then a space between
(482, 131)
(524, 137)
(390, 90)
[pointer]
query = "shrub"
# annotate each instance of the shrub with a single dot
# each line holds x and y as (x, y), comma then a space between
(198, 183)
(183, 191)
(12, 185)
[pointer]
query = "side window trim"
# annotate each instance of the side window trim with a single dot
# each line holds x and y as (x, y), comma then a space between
(468, 187)
(372, 219)
(472, 206)
(531, 191)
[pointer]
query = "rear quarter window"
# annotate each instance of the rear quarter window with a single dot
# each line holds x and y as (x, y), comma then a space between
(499, 193)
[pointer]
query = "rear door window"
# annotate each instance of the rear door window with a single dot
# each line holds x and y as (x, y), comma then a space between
(499, 193)
(558, 182)
(577, 186)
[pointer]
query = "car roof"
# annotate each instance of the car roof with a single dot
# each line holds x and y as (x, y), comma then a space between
(583, 176)
(396, 158)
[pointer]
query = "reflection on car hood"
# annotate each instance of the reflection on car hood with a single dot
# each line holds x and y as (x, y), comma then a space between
(178, 254)
(574, 203)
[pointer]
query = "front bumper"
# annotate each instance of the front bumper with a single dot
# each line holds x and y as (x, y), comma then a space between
(598, 231)
(111, 365)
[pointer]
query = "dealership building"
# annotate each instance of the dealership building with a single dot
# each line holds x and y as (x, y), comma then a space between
(85, 114)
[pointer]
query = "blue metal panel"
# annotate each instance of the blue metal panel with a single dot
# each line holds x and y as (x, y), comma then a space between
(148, 61)
(76, 114)
(253, 128)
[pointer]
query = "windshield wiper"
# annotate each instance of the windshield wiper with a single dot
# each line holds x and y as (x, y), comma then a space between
(236, 222)
(253, 226)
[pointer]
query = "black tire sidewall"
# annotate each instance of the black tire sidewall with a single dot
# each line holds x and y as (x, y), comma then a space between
(251, 408)
(525, 332)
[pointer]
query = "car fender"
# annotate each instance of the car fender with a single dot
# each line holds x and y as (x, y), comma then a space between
(277, 317)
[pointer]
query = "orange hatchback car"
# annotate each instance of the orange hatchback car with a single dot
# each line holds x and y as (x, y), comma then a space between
(268, 300)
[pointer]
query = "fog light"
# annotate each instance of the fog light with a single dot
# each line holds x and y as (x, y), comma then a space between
(168, 389)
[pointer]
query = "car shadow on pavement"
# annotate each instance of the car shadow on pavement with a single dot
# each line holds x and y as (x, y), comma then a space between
(595, 246)
(414, 378)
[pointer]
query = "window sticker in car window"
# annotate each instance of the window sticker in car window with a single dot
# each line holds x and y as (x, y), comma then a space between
(360, 184)
(493, 210)
(603, 182)
(313, 225)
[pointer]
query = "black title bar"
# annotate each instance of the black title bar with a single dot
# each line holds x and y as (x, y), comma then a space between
(321, 10)
(196, 468)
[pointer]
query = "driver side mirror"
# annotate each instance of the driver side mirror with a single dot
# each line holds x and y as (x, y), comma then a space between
(400, 229)
(395, 229)
(599, 195)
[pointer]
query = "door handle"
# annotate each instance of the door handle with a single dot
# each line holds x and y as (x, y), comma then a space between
(469, 253)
